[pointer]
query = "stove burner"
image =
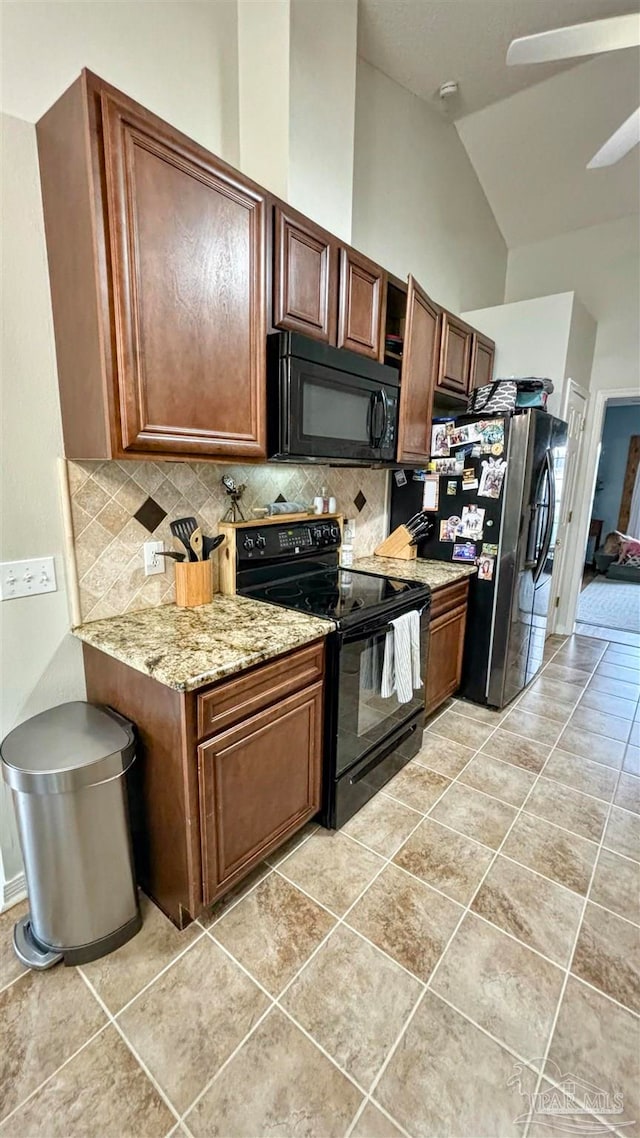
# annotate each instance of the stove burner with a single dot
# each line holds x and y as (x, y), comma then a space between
(283, 593)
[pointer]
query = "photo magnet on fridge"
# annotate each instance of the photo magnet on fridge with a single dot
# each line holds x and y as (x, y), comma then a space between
(440, 441)
(463, 551)
(400, 477)
(449, 528)
(431, 494)
(485, 568)
(462, 434)
(450, 465)
(492, 477)
(469, 480)
(489, 549)
(452, 489)
(491, 434)
(472, 522)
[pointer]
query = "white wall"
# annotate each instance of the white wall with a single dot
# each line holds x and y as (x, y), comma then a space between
(178, 59)
(550, 336)
(417, 204)
(41, 663)
(602, 264)
(264, 92)
(322, 111)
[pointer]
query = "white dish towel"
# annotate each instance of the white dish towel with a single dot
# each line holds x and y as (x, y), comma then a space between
(401, 667)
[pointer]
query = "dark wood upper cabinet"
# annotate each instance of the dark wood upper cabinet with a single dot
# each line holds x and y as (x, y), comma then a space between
(483, 352)
(305, 277)
(157, 265)
(419, 371)
(360, 322)
(455, 356)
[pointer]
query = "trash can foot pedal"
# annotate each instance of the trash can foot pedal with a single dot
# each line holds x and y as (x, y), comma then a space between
(29, 951)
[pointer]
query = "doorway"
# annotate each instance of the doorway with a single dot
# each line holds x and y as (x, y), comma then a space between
(611, 595)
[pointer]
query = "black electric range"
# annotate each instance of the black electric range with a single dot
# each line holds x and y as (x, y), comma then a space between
(368, 737)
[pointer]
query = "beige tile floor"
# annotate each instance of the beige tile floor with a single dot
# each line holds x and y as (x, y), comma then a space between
(471, 936)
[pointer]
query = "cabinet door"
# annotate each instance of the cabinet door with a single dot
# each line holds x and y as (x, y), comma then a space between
(455, 355)
(483, 351)
(187, 258)
(444, 663)
(305, 278)
(361, 304)
(259, 782)
(419, 370)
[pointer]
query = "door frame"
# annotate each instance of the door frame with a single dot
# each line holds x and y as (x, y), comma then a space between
(586, 473)
(563, 566)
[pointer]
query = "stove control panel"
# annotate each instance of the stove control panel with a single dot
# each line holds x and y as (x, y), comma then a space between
(286, 540)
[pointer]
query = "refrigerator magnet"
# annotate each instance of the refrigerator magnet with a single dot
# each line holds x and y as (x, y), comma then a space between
(400, 477)
(485, 568)
(452, 488)
(439, 441)
(491, 433)
(492, 477)
(469, 480)
(449, 528)
(489, 549)
(461, 434)
(472, 522)
(449, 465)
(431, 494)
(463, 551)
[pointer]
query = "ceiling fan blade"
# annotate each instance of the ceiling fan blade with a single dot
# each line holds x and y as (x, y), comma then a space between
(621, 142)
(591, 38)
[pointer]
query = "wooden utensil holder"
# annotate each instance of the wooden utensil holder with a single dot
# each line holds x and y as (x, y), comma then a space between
(194, 583)
(397, 544)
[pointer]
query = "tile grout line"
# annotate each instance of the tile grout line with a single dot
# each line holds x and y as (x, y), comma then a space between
(113, 1021)
(53, 1074)
(467, 909)
(568, 970)
(339, 921)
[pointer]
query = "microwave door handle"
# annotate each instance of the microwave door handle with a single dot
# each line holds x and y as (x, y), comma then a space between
(379, 405)
(371, 415)
(384, 403)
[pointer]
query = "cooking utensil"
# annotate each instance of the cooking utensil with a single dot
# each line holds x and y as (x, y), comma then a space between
(422, 531)
(170, 553)
(209, 544)
(195, 541)
(182, 529)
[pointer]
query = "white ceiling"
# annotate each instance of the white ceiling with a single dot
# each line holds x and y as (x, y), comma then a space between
(423, 43)
(529, 131)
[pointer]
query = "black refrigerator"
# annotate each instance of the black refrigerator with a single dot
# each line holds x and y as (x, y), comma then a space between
(498, 494)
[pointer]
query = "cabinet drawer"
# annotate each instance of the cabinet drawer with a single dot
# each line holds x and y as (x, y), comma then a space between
(233, 700)
(444, 664)
(442, 600)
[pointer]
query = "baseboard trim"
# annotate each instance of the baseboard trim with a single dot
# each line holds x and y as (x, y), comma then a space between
(14, 891)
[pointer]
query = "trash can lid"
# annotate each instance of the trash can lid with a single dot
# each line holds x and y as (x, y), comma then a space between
(72, 745)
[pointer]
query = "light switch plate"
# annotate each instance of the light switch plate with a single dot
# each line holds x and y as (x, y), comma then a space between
(27, 578)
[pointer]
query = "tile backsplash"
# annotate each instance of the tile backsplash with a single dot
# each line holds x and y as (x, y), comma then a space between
(117, 506)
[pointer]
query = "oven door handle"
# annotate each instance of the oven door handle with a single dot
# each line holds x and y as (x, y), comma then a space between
(376, 627)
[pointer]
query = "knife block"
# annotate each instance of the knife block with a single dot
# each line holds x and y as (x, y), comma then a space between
(398, 544)
(194, 583)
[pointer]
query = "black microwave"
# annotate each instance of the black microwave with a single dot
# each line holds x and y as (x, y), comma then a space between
(326, 404)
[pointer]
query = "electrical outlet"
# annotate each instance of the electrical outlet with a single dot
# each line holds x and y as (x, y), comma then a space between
(153, 563)
(26, 578)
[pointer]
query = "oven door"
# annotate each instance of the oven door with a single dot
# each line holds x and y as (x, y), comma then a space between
(333, 414)
(366, 718)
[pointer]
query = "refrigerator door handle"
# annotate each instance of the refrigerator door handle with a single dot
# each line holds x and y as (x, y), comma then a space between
(544, 550)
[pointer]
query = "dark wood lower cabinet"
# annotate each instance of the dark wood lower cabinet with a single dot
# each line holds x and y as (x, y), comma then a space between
(259, 782)
(446, 643)
(204, 815)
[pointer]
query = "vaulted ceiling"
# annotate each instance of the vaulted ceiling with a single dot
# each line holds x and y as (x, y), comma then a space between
(529, 131)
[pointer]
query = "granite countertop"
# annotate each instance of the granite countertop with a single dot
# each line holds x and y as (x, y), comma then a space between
(186, 648)
(437, 574)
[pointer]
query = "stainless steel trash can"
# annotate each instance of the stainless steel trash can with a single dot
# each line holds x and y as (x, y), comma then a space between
(66, 768)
